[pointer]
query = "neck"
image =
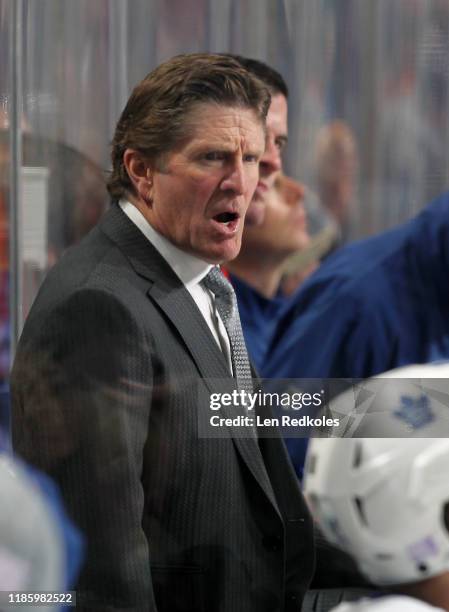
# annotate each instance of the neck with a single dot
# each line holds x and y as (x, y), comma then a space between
(259, 275)
(434, 591)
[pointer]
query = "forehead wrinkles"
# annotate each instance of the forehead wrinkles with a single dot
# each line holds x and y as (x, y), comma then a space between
(215, 124)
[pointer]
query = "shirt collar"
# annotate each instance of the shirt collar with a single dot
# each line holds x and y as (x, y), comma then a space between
(190, 269)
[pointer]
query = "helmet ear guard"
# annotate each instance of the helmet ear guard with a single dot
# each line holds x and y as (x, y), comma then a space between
(386, 500)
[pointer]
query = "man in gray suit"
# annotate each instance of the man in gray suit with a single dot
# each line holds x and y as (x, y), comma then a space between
(124, 340)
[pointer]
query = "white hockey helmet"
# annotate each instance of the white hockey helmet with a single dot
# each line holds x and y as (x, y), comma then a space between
(408, 402)
(386, 500)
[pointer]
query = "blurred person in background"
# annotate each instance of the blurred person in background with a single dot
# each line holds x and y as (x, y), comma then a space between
(385, 500)
(124, 336)
(324, 233)
(374, 305)
(335, 163)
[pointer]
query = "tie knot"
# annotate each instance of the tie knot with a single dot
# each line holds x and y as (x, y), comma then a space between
(218, 283)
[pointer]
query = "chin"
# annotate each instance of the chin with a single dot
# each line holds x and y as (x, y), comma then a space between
(222, 254)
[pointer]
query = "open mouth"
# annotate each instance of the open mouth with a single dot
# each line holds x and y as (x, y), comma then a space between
(226, 218)
(227, 223)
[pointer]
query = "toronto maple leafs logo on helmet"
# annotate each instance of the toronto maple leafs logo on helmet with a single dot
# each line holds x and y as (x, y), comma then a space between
(415, 412)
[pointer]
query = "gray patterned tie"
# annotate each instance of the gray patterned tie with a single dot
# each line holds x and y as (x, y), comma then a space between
(226, 304)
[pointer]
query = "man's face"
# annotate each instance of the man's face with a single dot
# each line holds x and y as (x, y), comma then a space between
(271, 162)
(201, 194)
(284, 227)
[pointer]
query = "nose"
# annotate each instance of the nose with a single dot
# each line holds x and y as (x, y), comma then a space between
(271, 160)
(235, 180)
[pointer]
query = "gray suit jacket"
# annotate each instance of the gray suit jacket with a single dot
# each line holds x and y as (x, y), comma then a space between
(107, 384)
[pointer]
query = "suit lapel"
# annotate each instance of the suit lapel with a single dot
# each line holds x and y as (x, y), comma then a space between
(173, 299)
(168, 292)
(179, 306)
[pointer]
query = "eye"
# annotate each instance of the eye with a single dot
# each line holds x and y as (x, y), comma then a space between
(251, 158)
(280, 143)
(214, 156)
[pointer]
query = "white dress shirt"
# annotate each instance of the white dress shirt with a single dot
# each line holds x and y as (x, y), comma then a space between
(190, 270)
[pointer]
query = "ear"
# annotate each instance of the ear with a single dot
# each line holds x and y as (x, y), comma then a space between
(140, 173)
